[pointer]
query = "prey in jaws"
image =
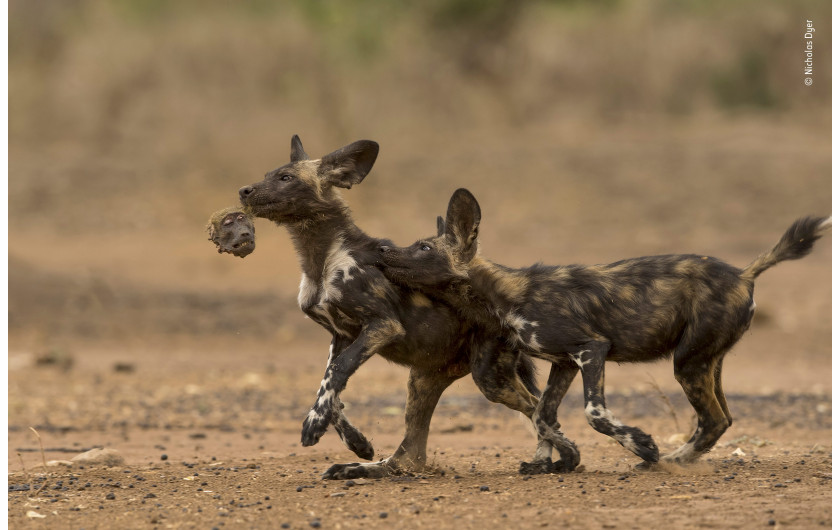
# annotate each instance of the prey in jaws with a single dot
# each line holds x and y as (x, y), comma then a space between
(232, 231)
(342, 289)
(578, 317)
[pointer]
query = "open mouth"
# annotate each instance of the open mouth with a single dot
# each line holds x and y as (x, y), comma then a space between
(242, 245)
(240, 249)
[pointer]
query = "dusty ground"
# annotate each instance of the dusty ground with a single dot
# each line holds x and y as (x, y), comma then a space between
(209, 430)
(227, 422)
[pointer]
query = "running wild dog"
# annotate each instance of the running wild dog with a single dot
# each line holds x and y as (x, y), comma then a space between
(577, 317)
(343, 290)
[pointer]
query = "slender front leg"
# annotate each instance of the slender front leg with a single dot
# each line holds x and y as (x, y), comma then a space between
(591, 359)
(370, 341)
(424, 391)
(349, 434)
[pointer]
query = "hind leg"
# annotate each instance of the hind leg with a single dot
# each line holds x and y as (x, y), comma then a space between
(545, 420)
(591, 359)
(424, 391)
(719, 391)
(700, 379)
(493, 365)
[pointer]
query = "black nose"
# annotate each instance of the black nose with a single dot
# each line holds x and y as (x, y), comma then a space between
(383, 249)
(245, 191)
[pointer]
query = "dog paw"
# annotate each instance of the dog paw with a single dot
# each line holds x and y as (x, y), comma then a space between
(568, 461)
(314, 427)
(351, 471)
(565, 466)
(646, 466)
(536, 467)
(647, 449)
(641, 444)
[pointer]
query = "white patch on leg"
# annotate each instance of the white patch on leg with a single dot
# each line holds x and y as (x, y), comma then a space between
(626, 440)
(544, 449)
(578, 358)
(313, 416)
(326, 397)
(597, 412)
(686, 452)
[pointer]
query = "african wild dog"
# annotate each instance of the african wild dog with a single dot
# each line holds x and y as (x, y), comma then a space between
(343, 290)
(578, 317)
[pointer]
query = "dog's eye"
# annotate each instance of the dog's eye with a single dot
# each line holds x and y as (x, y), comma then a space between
(227, 221)
(425, 248)
(286, 178)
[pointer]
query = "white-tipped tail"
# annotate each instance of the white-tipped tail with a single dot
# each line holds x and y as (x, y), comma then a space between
(825, 225)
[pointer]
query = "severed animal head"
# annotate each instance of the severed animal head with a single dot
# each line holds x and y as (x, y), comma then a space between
(232, 231)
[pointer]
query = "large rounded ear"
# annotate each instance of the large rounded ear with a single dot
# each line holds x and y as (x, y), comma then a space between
(350, 164)
(462, 219)
(298, 153)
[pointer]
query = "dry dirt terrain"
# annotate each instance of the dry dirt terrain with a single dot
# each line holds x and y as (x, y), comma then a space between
(589, 132)
(211, 440)
(209, 430)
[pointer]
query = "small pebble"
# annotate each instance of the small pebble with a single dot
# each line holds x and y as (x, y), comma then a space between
(164, 457)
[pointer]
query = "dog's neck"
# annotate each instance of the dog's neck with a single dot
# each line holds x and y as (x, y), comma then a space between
(315, 236)
(490, 292)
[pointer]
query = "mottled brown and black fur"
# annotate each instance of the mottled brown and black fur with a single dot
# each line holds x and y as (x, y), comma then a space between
(643, 309)
(343, 290)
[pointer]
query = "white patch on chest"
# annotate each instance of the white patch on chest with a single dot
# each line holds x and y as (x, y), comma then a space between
(308, 292)
(338, 262)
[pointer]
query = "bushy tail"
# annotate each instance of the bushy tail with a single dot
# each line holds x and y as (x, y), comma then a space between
(796, 243)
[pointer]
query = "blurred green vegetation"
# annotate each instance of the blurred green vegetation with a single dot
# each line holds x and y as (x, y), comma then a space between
(588, 129)
(187, 91)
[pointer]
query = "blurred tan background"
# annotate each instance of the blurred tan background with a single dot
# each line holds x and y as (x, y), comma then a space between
(589, 131)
